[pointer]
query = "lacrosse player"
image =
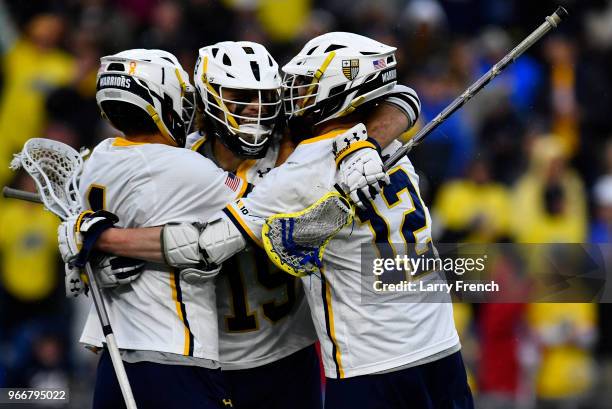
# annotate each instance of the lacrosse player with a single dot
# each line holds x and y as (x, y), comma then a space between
(239, 101)
(399, 355)
(380, 355)
(265, 327)
(165, 327)
(383, 355)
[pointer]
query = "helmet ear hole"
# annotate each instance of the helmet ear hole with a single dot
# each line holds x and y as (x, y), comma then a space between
(173, 120)
(167, 109)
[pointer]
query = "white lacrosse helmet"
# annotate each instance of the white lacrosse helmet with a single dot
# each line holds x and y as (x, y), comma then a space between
(239, 86)
(334, 74)
(152, 80)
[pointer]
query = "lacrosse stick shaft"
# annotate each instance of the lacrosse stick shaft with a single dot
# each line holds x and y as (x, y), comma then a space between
(550, 23)
(21, 195)
(111, 342)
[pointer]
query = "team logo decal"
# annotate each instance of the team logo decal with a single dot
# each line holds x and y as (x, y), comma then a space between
(350, 68)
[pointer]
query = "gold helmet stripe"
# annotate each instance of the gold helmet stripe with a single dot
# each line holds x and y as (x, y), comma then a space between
(181, 82)
(317, 76)
(216, 96)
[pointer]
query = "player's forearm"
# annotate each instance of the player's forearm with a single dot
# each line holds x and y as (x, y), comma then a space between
(143, 244)
(386, 123)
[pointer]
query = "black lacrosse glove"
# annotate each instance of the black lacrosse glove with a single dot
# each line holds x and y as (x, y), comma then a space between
(91, 225)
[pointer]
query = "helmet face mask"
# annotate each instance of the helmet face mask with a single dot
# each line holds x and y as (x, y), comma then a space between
(239, 86)
(249, 115)
(299, 93)
(189, 110)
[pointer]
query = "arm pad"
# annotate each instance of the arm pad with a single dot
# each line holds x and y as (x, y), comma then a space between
(220, 239)
(195, 245)
(179, 242)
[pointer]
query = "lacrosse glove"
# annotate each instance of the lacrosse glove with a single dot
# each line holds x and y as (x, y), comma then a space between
(115, 271)
(360, 167)
(76, 237)
(75, 282)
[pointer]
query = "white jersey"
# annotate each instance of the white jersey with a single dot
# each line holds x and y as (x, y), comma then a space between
(263, 312)
(356, 338)
(149, 185)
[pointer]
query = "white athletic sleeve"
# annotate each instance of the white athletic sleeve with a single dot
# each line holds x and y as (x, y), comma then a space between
(150, 185)
(191, 182)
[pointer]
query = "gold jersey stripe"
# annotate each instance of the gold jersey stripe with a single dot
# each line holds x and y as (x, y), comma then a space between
(331, 329)
(188, 343)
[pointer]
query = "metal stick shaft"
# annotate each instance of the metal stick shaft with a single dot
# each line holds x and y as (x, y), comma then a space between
(21, 195)
(111, 342)
(550, 23)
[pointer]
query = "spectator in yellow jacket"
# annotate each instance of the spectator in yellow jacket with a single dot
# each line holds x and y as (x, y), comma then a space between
(550, 207)
(565, 334)
(28, 248)
(475, 209)
(32, 67)
(549, 203)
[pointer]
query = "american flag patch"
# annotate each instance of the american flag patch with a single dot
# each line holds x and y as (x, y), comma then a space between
(379, 64)
(232, 181)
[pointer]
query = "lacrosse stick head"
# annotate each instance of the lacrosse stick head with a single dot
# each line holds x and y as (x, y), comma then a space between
(295, 242)
(55, 167)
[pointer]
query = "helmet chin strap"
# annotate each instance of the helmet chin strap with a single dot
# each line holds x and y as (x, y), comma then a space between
(161, 126)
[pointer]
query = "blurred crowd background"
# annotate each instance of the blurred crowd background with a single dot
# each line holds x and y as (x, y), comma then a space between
(529, 160)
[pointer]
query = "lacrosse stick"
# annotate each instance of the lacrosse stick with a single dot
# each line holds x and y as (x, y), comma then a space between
(55, 168)
(296, 242)
(550, 23)
(21, 195)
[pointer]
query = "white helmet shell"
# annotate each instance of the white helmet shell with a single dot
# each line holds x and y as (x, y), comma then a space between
(335, 73)
(227, 69)
(154, 81)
